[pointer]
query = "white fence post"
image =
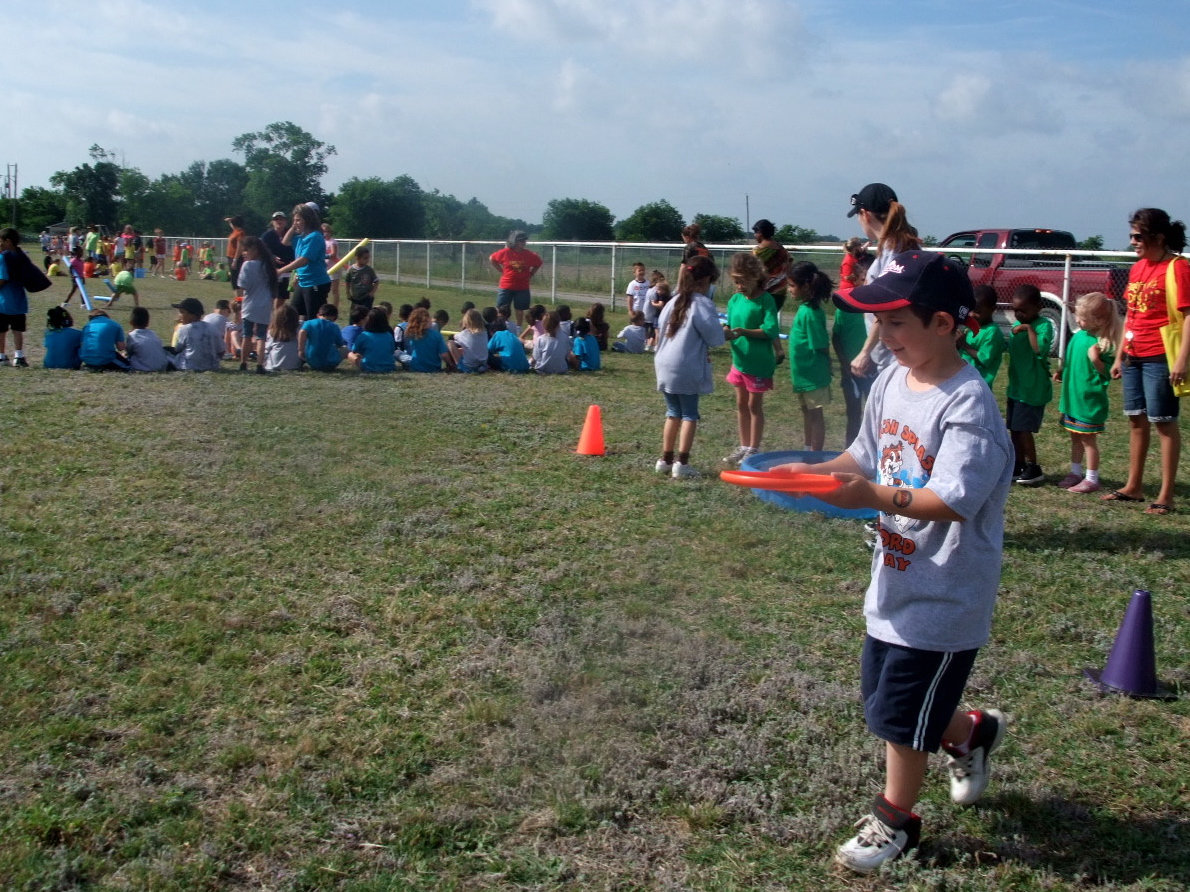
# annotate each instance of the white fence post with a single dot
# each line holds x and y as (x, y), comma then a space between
(554, 274)
(427, 264)
(612, 290)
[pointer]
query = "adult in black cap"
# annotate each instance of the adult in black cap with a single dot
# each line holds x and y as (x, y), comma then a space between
(280, 252)
(882, 218)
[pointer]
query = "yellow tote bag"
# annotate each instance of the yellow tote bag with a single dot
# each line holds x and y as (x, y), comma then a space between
(1171, 333)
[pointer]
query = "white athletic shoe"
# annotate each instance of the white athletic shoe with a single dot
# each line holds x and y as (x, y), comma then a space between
(681, 471)
(663, 466)
(879, 840)
(969, 774)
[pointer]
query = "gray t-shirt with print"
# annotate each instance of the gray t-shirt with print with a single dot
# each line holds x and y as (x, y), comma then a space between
(934, 583)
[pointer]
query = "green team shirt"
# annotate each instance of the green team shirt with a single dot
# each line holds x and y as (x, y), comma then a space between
(1028, 372)
(989, 351)
(1084, 387)
(754, 356)
(849, 333)
(809, 350)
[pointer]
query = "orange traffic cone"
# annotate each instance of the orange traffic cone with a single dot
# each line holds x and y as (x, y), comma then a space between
(590, 441)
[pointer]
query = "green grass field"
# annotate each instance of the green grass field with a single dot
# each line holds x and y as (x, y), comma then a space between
(338, 632)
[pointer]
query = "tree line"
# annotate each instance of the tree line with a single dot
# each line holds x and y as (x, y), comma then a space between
(283, 165)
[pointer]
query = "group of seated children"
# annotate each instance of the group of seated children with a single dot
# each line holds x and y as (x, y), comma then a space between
(102, 344)
(553, 343)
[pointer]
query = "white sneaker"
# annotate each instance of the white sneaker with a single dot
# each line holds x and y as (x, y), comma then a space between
(663, 466)
(969, 774)
(740, 453)
(878, 841)
(681, 471)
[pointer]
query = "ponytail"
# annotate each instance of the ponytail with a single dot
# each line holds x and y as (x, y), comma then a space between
(896, 234)
(807, 274)
(697, 269)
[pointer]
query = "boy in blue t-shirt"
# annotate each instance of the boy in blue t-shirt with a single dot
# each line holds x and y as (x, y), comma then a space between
(14, 303)
(320, 340)
(506, 352)
(102, 343)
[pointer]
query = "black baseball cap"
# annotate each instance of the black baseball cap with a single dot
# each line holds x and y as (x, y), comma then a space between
(874, 197)
(916, 278)
(191, 305)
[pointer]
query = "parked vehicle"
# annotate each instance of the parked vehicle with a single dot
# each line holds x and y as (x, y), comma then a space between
(1004, 272)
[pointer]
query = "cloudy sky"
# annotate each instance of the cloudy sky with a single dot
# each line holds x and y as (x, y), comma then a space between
(1061, 114)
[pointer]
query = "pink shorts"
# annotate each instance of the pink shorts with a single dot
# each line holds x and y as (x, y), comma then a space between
(751, 383)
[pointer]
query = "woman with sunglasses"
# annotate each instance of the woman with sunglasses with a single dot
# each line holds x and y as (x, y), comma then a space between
(1148, 373)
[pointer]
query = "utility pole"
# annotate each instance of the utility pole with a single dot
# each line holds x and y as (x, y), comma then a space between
(747, 212)
(11, 192)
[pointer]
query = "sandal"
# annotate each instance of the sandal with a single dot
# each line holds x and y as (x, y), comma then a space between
(1116, 496)
(1160, 508)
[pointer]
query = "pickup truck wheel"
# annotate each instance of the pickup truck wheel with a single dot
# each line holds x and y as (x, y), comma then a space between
(1052, 310)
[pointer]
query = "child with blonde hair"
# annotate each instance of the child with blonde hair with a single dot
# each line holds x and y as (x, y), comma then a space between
(1085, 373)
(469, 346)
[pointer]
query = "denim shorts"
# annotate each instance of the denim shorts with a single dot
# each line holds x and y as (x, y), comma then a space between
(516, 297)
(1147, 389)
(911, 695)
(681, 405)
(257, 330)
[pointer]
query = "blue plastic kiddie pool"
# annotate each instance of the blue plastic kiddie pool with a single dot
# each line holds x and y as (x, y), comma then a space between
(763, 461)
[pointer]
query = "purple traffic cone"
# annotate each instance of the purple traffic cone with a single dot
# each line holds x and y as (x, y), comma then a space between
(1131, 666)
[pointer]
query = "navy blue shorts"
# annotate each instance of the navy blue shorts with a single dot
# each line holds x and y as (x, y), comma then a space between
(1023, 417)
(911, 695)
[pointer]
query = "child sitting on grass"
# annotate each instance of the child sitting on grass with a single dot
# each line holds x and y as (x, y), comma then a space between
(61, 340)
(320, 341)
(281, 353)
(425, 344)
(552, 354)
(197, 347)
(506, 352)
(469, 347)
(143, 347)
(585, 347)
(101, 346)
(632, 337)
(375, 349)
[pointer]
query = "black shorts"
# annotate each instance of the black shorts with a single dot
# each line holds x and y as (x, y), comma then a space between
(12, 323)
(911, 695)
(1024, 418)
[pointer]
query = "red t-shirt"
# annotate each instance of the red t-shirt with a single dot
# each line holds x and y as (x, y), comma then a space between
(518, 267)
(846, 268)
(1147, 309)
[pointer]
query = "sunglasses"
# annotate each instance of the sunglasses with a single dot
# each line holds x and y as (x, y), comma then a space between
(1136, 237)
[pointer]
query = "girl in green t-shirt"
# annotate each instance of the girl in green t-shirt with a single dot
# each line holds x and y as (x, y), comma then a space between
(752, 330)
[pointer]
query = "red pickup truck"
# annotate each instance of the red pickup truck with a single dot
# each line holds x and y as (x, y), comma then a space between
(1005, 272)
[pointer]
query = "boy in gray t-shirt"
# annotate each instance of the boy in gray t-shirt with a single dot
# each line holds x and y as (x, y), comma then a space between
(936, 446)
